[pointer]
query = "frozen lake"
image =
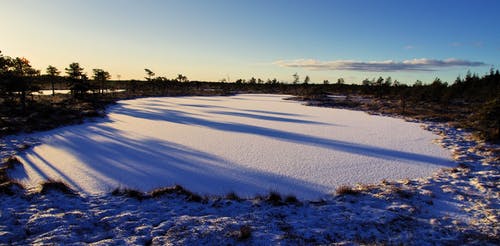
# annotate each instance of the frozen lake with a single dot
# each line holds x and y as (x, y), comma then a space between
(249, 144)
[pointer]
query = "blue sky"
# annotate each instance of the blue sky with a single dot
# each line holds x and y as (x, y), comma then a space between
(215, 39)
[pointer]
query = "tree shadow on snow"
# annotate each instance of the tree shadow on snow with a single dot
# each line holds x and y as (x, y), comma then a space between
(115, 160)
(179, 117)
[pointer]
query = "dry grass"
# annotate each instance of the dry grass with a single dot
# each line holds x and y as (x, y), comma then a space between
(233, 196)
(11, 162)
(55, 185)
(245, 232)
(177, 190)
(401, 192)
(346, 190)
(11, 188)
(8, 186)
(129, 193)
(274, 198)
(291, 199)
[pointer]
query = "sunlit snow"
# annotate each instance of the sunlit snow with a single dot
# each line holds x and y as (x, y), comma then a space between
(249, 144)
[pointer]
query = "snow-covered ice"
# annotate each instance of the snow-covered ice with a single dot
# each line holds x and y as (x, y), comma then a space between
(249, 144)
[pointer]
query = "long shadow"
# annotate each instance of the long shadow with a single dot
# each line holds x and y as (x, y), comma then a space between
(117, 160)
(271, 112)
(270, 118)
(21, 174)
(52, 167)
(179, 117)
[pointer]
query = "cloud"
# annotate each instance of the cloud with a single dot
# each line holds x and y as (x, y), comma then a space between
(379, 66)
(409, 47)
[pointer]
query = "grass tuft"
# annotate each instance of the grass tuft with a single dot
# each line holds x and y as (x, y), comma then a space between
(245, 232)
(54, 185)
(11, 162)
(177, 190)
(127, 192)
(11, 188)
(274, 198)
(233, 196)
(346, 190)
(291, 199)
(403, 193)
(156, 193)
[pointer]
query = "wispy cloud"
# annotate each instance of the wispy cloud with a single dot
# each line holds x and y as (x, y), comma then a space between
(409, 47)
(456, 44)
(379, 66)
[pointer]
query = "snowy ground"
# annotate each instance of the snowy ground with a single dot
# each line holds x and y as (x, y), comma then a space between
(454, 206)
(249, 144)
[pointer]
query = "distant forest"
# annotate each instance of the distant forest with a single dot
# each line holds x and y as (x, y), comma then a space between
(471, 102)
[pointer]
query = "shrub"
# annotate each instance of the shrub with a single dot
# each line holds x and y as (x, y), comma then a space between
(245, 232)
(402, 193)
(161, 192)
(488, 120)
(233, 196)
(11, 188)
(53, 185)
(291, 199)
(274, 198)
(177, 190)
(127, 192)
(11, 162)
(346, 190)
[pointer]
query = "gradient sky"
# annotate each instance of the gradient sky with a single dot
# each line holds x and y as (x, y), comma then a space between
(214, 39)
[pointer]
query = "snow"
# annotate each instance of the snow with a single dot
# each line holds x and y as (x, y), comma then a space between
(452, 206)
(248, 144)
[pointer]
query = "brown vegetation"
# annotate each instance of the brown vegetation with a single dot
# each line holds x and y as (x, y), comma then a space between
(55, 185)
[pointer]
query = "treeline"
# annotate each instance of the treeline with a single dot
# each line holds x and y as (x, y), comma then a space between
(472, 101)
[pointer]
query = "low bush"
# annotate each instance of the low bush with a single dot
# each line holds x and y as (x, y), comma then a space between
(127, 192)
(346, 190)
(177, 190)
(11, 188)
(11, 162)
(233, 196)
(54, 185)
(245, 232)
(274, 198)
(291, 199)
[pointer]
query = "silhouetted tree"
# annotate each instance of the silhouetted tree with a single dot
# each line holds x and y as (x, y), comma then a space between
(307, 80)
(52, 72)
(296, 78)
(79, 80)
(182, 78)
(340, 81)
(149, 73)
(101, 76)
(326, 82)
(16, 76)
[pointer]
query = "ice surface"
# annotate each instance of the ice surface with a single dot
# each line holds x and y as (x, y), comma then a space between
(250, 144)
